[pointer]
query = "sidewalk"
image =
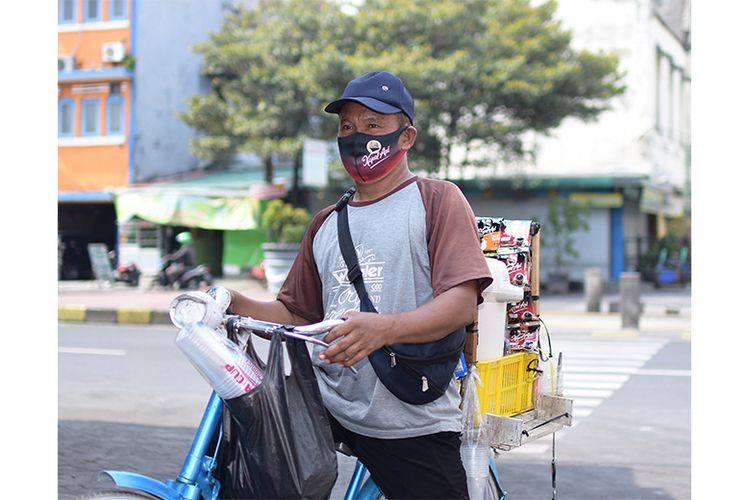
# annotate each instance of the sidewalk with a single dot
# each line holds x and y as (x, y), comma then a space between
(88, 301)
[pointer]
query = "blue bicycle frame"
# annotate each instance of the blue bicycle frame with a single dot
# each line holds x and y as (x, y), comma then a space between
(195, 480)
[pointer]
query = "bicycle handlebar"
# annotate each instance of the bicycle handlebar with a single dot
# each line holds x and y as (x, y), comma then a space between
(210, 308)
(238, 324)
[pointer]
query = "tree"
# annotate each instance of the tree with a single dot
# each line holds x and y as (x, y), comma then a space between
(483, 72)
(271, 71)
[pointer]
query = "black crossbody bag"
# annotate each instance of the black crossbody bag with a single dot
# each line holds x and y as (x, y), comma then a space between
(414, 373)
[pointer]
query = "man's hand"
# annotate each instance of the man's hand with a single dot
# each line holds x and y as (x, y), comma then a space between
(358, 336)
(363, 333)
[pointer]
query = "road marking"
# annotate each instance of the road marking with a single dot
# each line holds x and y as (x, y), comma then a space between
(86, 350)
(586, 393)
(617, 346)
(593, 370)
(663, 373)
(597, 362)
(581, 412)
(586, 384)
(640, 356)
(590, 377)
(586, 402)
(629, 370)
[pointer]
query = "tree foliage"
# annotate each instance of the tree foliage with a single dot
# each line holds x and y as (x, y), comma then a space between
(482, 72)
(284, 222)
(271, 70)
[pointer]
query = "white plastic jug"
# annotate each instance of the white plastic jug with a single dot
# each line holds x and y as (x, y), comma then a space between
(493, 312)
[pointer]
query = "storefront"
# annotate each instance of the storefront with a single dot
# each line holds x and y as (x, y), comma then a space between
(222, 211)
(83, 218)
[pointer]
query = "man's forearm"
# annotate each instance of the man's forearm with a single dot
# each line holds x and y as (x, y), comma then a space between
(363, 332)
(438, 317)
(273, 311)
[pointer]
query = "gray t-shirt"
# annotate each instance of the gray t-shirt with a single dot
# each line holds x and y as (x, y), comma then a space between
(413, 244)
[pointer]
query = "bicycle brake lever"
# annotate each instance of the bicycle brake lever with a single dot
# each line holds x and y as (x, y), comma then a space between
(308, 338)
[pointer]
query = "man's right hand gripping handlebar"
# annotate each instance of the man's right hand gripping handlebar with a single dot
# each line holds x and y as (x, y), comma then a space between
(241, 311)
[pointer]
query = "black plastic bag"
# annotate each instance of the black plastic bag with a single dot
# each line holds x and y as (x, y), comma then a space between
(277, 440)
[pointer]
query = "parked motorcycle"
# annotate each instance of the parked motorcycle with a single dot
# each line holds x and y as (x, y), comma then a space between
(190, 279)
(125, 273)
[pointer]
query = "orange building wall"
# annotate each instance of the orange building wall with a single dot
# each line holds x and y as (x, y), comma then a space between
(66, 92)
(87, 46)
(93, 168)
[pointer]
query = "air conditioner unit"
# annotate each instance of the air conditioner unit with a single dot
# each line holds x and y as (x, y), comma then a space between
(113, 52)
(66, 63)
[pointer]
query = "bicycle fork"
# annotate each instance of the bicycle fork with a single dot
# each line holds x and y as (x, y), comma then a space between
(195, 480)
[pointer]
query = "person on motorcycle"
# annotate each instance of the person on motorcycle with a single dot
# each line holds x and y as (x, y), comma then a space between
(183, 259)
(424, 269)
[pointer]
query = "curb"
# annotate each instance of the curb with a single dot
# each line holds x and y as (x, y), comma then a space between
(122, 316)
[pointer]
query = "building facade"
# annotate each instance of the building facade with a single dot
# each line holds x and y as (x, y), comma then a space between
(95, 97)
(126, 69)
(631, 165)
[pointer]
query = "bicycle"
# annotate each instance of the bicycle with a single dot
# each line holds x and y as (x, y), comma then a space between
(195, 480)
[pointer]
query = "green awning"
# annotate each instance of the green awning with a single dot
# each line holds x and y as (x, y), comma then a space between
(542, 183)
(229, 200)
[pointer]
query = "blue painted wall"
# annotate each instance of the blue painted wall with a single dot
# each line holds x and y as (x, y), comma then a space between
(617, 242)
(167, 73)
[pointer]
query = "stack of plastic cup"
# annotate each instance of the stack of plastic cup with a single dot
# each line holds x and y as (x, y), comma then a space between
(475, 455)
(228, 369)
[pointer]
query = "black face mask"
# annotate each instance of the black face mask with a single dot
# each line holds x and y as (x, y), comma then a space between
(369, 157)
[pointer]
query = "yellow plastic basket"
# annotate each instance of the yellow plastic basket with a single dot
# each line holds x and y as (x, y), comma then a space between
(507, 384)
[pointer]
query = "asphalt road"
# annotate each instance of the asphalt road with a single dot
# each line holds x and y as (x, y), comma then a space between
(129, 400)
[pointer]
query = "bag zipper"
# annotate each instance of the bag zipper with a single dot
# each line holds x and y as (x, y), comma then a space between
(425, 379)
(417, 359)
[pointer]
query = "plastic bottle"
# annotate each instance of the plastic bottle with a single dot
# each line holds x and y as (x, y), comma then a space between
(475, 449)
(475, 455)
(228, 369)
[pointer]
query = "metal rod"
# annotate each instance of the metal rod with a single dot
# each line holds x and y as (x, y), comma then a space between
(194, 460)
(526, 432)
(356, 482)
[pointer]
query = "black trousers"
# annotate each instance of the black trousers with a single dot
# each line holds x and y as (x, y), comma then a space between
(427, 467)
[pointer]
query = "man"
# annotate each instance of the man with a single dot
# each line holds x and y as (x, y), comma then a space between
(417, 245)
(183, 259)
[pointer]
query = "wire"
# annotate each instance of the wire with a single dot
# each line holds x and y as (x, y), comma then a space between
(549, 341)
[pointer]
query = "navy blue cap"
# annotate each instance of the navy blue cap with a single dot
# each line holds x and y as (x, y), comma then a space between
(380, 91)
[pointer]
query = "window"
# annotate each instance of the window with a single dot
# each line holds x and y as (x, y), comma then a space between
(677, 99)
(66, 117)
(89, 116)
(115, 115)
(67, 12)
(118, 10)
(686, 111)
(657, 97)
(144, 234)
(92, 10)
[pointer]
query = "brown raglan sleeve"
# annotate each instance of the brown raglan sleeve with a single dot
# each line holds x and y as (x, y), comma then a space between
(452, 238)
(301, 293)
